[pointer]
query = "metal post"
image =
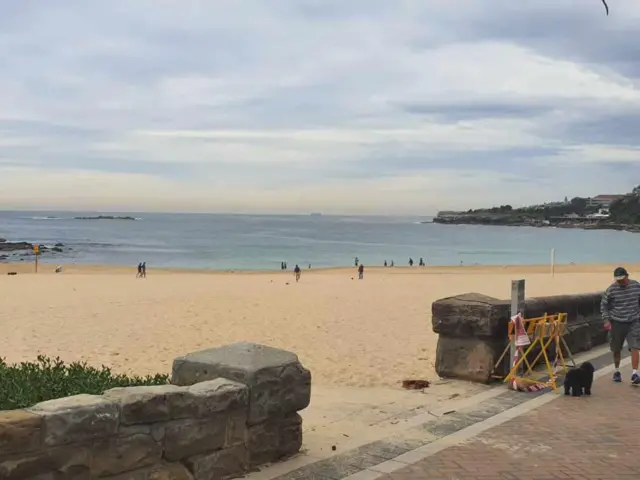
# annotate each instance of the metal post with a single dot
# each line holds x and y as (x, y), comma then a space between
(517, 306)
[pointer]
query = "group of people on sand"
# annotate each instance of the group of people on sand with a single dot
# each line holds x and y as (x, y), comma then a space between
(359, 266)
(142, 270)
(421, 262)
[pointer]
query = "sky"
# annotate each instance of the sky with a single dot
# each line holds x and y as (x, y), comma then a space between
(295, 106)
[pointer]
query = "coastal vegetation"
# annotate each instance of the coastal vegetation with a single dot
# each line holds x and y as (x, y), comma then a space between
(626, 210)
(25, 384)
(619, 212)
(576, 205)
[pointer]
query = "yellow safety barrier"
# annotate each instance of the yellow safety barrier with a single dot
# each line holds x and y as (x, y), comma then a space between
(530, 325)
(546, 331)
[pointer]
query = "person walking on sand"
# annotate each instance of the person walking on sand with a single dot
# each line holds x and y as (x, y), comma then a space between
(144, 269)
(360, 272)
(620, 308)
(139, 274)
(297, 272)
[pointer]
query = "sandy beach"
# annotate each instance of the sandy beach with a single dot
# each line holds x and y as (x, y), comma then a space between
(369, 333)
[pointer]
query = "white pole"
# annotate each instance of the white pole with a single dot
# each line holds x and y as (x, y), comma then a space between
(553, 262)
(517, 306)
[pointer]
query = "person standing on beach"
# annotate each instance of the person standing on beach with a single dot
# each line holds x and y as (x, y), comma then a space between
(297, 273)
(361, 272)
(139, 274)
(620, 309)
(144, 269)
(356, 261)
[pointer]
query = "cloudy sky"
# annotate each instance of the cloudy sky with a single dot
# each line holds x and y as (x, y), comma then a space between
(339, 106)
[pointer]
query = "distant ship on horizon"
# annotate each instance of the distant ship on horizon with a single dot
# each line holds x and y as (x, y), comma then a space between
(315, 214)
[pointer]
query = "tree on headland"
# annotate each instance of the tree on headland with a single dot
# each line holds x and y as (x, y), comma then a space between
(579, 204)
(626, 210)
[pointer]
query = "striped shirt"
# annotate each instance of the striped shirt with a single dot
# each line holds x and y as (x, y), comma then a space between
(621, 303)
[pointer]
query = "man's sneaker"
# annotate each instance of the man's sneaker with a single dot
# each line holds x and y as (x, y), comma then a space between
(635, 379)
(617, 377)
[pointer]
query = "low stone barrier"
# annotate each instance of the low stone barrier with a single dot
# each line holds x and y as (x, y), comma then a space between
(228, 410)
(472, 329)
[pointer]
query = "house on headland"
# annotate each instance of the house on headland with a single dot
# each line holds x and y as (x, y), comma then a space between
(603, 201)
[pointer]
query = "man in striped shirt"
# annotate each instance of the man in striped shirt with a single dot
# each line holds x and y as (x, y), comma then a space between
(620, 309)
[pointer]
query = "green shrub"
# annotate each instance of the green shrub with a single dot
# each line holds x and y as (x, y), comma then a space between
(27, 383)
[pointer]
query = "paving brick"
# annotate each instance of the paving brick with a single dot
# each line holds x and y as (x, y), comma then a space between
(588, 438)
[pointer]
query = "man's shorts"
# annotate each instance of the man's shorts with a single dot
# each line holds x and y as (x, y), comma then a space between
(621, 331)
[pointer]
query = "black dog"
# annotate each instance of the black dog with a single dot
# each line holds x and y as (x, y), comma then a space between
(579, 380)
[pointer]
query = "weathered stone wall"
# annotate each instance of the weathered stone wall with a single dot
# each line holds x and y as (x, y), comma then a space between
(472, 329)
(204, 426)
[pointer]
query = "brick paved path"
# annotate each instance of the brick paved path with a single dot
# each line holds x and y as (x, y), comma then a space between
(587, 438)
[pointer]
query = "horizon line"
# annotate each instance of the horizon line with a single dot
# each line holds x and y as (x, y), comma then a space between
(159, 212)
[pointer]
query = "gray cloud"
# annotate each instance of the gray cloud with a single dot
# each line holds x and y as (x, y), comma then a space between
(339, 99)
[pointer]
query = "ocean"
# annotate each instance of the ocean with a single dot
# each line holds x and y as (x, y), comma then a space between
(257, 242)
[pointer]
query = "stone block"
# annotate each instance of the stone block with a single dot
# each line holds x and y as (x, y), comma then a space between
(470, 315)
(60, 462)
(278, 383)
(186, 438)
(155, 430)
(585, 336)
(150, 404)
(162, 471)
(211, 397)
(236, 428)
(122, 454)
(274, 439)
(75, 473)
(19, 431)
(144, 405)
(467, 358)
(227, 463)
(77, 419)
(580, 308)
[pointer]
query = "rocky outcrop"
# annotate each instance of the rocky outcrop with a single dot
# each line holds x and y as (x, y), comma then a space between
(209, 427)
(15, 246)
(473, 330)
(515, 219)
(511, 220)
(12, 251)
(105, 217)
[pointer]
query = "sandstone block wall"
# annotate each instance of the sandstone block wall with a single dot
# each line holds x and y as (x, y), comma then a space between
(472, 329)
(207, 427)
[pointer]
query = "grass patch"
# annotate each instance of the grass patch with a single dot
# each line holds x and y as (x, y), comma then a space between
(25, 384)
